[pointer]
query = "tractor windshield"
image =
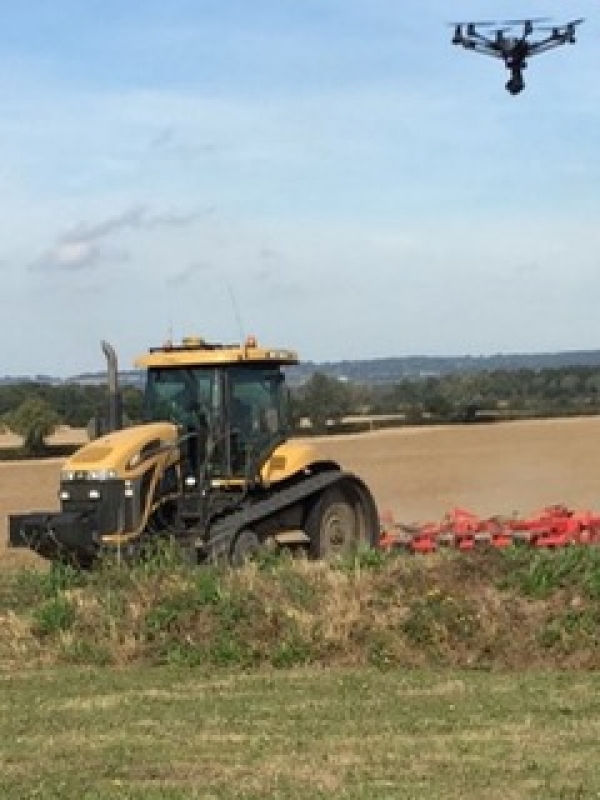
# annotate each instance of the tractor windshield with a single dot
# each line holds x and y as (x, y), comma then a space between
(257, 401)
(242, 407)
(178, 394)
(258, 411)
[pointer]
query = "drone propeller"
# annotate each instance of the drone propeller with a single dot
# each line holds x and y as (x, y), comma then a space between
(486, 23)
(532, 20)
(565, 26)
(566, 31)
(468, 29)
(528, 24)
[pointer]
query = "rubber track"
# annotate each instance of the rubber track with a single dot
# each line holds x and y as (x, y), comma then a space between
(221, 535)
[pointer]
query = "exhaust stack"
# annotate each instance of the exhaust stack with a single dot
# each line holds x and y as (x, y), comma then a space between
(115, 411)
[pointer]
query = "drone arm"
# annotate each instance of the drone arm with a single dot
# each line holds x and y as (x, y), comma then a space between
(484, 49)
(545, 44)
(475, 36)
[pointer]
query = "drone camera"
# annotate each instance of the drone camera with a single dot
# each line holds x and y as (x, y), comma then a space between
(515, 85)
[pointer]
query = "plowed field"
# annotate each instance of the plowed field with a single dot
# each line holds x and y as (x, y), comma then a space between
(418, 473)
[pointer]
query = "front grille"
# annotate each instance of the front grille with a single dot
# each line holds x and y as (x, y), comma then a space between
(107, 506)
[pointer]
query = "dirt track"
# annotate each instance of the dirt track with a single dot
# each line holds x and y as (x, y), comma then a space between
(418, 473)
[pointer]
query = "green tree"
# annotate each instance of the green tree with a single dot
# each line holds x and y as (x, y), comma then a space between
(133, 400)
(34, 419)
(323, 399)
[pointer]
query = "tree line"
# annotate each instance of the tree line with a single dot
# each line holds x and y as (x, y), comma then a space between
(323, 403)
(458, 397)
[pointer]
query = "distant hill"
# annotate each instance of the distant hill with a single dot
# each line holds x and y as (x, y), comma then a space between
(376, 370)
(394, 369)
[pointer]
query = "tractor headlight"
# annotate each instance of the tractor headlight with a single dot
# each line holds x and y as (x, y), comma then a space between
(68, 475)
(101, 474)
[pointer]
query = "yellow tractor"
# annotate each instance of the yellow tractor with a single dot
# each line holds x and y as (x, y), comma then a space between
(212, 467)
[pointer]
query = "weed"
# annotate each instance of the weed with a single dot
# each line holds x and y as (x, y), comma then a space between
(28, 587)
(270, 559)
(292, 651)
(237, 607)
(571, 630)
(165, 618)
(364, 558)
(82, 651)
(300, 589)
(226, 650)
(380, 650)
(54, 616)
(542, 573)
(203, 590)
(207, 586)
(437, 618)
(160, 555)
(184, 654)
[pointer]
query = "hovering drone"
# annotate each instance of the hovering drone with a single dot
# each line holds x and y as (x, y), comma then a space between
(514, 48)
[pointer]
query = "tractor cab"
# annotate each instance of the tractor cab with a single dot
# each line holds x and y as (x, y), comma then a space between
(230, 404)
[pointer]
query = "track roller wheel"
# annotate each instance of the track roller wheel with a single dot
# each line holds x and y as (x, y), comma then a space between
(244, 548)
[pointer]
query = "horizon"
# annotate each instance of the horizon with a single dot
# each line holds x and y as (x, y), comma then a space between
(558, 354)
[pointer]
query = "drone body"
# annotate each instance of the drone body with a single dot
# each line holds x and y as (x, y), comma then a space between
(514, 47)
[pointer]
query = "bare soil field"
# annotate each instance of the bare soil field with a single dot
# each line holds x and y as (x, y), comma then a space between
(416, 473)
(62, 435)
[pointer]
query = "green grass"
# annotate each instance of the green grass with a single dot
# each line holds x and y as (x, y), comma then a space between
(389, 677)
(173, 733)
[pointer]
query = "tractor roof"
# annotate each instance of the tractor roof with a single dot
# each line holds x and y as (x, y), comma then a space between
(195, 351)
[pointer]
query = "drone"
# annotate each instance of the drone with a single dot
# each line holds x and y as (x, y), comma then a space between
(514, 48)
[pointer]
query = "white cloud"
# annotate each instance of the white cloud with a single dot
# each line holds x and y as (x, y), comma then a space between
(74, 254)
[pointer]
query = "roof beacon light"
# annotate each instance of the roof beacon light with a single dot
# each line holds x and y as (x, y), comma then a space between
(192, 341)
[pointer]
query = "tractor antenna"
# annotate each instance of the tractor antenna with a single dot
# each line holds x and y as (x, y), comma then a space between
(170, 332)
(236, 311)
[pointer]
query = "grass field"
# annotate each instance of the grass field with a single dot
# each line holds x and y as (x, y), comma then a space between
(166, 733)
(191, 687)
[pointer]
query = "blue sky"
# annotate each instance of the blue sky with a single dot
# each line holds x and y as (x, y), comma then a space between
(329, 175)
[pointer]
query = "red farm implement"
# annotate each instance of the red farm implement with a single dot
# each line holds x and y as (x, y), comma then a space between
(460, 529)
